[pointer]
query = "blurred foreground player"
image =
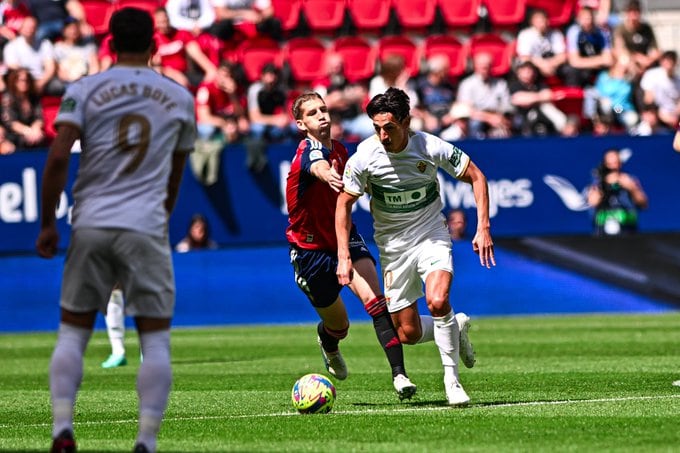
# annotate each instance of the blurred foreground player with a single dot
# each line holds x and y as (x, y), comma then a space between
(136, 128)
(312, 188)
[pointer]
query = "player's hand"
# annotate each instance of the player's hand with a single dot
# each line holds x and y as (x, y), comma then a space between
(483, 246)
(334, 176)
(47, 241)
(345, 271)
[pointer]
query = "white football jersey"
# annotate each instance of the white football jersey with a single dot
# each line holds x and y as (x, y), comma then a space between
(405, 201)
(132, 120)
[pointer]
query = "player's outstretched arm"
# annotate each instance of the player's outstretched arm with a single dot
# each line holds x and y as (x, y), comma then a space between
(343, 226)
(53, 184)
(482, 243)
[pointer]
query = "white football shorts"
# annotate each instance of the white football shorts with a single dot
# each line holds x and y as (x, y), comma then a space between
(97, 258)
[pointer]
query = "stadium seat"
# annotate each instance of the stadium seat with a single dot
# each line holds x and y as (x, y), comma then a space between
(506, 13)
(288, 12)
(369, 15)
(50, 108)
(98, 13)
(403, 46)
(324, 15)
(254, 53)
(306, 58)
(147, 5)
(501, 50)
(449, 46)
(415, 14)
(560, 12)
(358, 57)
(459, 13)
(569, 100)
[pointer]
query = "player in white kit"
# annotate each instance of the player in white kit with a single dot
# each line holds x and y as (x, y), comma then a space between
(136, 128)
(398, 168)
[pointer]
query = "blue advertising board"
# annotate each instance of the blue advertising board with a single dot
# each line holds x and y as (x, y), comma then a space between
(537, 187)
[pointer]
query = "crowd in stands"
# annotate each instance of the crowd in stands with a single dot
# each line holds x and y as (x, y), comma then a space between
(530, 72)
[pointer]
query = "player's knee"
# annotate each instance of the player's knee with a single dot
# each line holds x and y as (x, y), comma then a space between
(438, 304)
(409, 334)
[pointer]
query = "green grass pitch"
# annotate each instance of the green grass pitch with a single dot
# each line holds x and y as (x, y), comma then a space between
(553, 383)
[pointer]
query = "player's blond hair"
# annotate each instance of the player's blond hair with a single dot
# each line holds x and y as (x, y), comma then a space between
(304, 97)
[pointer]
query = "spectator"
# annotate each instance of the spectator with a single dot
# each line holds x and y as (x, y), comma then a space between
(613, 93)
(543, 46)
(535, 114)
(6, 145)
(250, 17)
(601, 9)
(460, 123)
(52, 15)
(174, 47)
(588, 50)
(649, 122)
(636, 40)
(198, 236)
(21, 111)
(456, 221)
(393, 74)
(661, 86)
(615, 197)
(26, 51)
(194, 16)
(436, 95)
(269, 119)
(74, 56)
(488, 98)
(12, 14)
(345, 101)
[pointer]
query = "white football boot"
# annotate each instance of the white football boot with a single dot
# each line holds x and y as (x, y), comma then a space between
(334, 362)
(455, 394)
(404, 387)
(466, 351)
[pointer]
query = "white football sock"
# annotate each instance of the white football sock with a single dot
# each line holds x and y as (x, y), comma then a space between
(427, 329)
(153, 385)
(66, 373)
(115, 322)
(447, 339)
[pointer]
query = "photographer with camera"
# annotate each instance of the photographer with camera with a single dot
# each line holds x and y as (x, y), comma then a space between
(615, 197)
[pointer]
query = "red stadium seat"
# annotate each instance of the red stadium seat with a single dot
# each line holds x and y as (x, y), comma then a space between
(452, 48)
(306, 57)
(415, 14)
(324, 15)
(506, 13)
(403, 46)
(369, 15)
(98, 13)
(358, 57)
(254, 53)
(288, 12)
(459, 13)
(560, 12)
(502, 51)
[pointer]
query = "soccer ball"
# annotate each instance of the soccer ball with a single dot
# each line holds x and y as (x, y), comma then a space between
(313, 394)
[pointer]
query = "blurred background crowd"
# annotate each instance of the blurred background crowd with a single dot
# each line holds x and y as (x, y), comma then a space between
(474, 69)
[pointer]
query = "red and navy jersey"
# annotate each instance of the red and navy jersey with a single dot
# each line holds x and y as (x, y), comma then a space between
(311, 202)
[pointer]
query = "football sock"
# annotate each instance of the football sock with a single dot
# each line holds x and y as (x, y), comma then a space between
(66, 373)
(153, 385)
(387, 335)
(115, 322)
(447, 338)
(329, 337)
(427, 329)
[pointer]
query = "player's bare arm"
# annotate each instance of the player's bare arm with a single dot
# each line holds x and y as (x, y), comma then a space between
(676, 141)
(179, 159)
(482, 243)
(54, 182)
(322, 170)
(343, 225)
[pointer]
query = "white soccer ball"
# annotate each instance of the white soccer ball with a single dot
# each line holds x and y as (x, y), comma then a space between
(313, 394)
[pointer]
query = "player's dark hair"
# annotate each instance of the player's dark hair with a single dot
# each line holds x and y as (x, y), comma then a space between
(394, 101)
(132, 30)
(304, 97)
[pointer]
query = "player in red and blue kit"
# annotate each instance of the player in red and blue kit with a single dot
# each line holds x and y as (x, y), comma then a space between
(312, 188)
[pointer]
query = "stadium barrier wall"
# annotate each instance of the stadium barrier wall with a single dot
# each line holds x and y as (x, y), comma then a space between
(537, 187)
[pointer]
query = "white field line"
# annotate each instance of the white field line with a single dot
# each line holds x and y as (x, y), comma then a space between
(385, 411)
